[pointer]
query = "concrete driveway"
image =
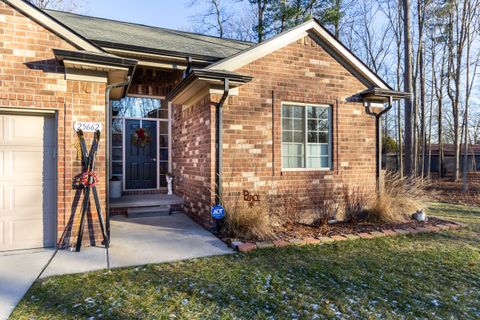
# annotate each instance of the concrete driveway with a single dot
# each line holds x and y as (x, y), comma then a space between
(137, 241)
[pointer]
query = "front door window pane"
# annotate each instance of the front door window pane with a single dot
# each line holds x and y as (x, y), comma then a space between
(147, 112)
(134, 107)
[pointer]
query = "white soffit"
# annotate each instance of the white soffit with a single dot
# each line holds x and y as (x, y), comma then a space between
(250, 55)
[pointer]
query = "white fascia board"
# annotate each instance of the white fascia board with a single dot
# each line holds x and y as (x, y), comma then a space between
(250, 55)
(348, 56)
(48, 22)
(256, 52)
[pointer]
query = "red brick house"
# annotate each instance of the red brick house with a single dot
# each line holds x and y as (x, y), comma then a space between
(289, 113)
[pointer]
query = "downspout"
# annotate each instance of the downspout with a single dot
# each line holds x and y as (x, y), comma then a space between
(108, 144)
(189, 67)
(378, 141)
(219, 138)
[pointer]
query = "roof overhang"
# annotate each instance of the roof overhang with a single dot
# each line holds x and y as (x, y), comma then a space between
(52, 24)
(155, 58)
(320, 34)
(98, 67)
(200, 82)
(378, 100)
(381, 95)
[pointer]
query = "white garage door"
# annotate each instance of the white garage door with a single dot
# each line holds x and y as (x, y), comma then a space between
(27, 182)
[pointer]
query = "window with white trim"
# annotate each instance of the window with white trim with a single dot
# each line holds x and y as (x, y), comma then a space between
(306, 136)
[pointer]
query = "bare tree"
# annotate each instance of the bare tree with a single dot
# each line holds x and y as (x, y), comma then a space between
(472, 20)
(421, 4)
(374, 44)
(215, 19)
(393, 11)
(63, 5)
(438, 38)
(408, 87)
(261, 8)
(457, 35)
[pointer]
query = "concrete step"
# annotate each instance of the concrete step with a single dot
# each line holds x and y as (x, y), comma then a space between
(148, 211)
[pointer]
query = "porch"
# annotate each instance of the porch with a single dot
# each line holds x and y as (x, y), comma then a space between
(145, 204)
(135, 242)
(143, 240)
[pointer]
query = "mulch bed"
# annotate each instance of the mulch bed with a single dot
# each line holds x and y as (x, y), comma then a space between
(294, 231)
(297, 235)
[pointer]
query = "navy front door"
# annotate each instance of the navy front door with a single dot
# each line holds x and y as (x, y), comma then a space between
(140, 161)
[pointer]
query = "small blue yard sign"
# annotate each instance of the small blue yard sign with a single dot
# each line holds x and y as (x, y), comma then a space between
(218, 212)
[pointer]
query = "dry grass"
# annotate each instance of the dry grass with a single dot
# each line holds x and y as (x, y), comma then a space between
(287, 209)
(248, 223)
(401, 198)
(355, 201)
(326, 201)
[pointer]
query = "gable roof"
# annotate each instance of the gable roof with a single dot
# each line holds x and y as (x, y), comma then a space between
(52, 24)
(320, 34)
(124, 35)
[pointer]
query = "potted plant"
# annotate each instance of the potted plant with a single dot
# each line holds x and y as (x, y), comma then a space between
(115, 188)
(169, 178)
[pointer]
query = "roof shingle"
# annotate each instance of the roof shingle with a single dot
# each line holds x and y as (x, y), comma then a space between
(101, 31)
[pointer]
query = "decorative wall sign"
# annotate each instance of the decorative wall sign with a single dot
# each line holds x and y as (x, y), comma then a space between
(218, 212)
(250, 198)
(88, 126)
(78, 147)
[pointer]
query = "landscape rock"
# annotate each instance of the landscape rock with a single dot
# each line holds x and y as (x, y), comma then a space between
(297, 242)
(326, 240)
(351, 236)
(339, 238)
(365, 235)
(281, 243)
(247, 247)
(265, 245)
(312, 241)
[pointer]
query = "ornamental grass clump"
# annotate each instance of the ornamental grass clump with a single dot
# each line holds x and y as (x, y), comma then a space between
(355, 202)
(401, 197)
(246, 221)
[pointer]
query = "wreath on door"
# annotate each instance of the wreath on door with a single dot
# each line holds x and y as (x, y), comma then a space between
(141, 137)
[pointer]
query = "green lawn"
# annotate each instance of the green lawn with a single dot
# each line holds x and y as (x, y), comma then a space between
(423, 276)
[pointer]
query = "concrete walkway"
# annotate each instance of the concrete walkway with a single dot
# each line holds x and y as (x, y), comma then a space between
(18, 270)
(135, 241)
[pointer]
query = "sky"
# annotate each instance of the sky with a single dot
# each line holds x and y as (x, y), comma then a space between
(174, 14)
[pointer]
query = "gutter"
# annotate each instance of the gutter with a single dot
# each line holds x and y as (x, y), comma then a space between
(196, 74)
(219, 145)
(108, 144)
(378, 140)
(176, 54)
(93, 57)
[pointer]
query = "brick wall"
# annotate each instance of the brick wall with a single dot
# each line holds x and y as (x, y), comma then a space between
(193, 152)
(154, 83)
(31, 78)
(300, 72)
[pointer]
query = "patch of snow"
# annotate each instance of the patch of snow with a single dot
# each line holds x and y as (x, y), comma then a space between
(436, 303)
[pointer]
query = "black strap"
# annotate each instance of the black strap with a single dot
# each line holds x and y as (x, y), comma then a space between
(89, 163)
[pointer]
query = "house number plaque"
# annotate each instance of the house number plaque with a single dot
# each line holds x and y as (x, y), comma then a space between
(88, 126)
